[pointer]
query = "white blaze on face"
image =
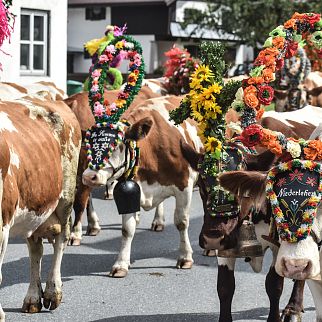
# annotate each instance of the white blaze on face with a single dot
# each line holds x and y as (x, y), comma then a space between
(305, 250)
(100, 177)
(6, 124)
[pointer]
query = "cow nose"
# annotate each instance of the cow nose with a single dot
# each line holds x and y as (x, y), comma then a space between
(90, 179)
(298, 269)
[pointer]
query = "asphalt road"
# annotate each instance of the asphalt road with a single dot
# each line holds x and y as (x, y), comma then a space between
(154, 289)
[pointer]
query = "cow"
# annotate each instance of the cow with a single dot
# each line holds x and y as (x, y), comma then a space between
(224, 231)
(80, 106)
(313, 87)
(40, 142)
(162, 172)
(11, 91)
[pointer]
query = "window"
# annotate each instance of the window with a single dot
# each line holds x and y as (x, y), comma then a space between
(95, 13)
(34, 42)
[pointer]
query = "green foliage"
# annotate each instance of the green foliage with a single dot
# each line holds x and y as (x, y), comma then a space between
(212, 54)
(250, 21)
(227, 95)
(181, 113)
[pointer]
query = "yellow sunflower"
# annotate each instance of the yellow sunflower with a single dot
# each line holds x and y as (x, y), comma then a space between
(202, 73)
(213, 145)
(197, 116)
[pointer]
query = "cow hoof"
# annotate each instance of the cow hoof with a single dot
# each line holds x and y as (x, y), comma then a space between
(92, 231)
(184, 264)
(118, 272)
(74, 241)
(157, 227)
(209, 253)
(290, 315)
(53, 302)
(29, 307)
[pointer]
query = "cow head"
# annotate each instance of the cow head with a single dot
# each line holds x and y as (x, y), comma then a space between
(119, 160)
(290, 208)
(220, 231)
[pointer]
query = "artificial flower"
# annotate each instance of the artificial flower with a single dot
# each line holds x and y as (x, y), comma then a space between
(212, 145)
(251, 100)
(312, 18)
(293, 148)
(279, 31)
(278, 42)
(291, 49)
(291, 23)
(268, 75)
(316, 39)
(251, 135)
(313, 151)
(265, 94)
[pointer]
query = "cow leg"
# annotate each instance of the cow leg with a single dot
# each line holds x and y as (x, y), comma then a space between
(4, 237)
(32, 302)
(274, 288)
(294, 308)
(225, 287)
(53, 290)
(81, 200)
(122, 264)
(181, 221)
(316, 291)
(158, 221)
(93, 227)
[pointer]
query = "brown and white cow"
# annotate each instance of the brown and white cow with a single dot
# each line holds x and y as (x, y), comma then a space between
(224, 231)
(313, 87)
(11, 91)
(39, 143)
(163, 172)
(80, 106)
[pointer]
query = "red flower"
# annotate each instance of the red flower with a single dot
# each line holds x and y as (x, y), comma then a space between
(265, 94)
(279, 63)
(251, 135)
(312, 18)
(291, 49)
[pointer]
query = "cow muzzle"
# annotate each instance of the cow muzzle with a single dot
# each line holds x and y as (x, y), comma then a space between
(93, 178)
(299, 269)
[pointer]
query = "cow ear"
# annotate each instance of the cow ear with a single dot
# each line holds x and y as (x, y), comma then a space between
(242, 183)
(190, 154)
(139, 130)
(260, 162)
(314, 91)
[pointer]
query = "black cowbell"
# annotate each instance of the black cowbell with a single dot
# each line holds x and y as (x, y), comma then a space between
(127, 195)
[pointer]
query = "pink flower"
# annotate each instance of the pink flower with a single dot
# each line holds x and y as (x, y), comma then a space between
(98, 109)
(118, 31)
(96, 73)
(296, 175)
(311, 181)
(103, 59)
(94, 88)
(110, 49)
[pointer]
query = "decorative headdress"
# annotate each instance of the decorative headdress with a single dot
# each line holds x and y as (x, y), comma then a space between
(255, 92)
(108, 131)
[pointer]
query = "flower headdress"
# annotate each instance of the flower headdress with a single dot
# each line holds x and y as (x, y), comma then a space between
(256, 92)
(207, 103)
(102, 139)
(178, 68)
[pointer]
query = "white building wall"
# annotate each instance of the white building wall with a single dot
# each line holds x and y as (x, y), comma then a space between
(81, 30)
(57, 44)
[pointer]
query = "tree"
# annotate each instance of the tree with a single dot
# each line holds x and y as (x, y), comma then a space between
(249, 20)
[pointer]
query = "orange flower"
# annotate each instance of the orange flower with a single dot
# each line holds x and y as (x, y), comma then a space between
(290, 24)
(259, 114)
(255, 80)
(299, 16)
(278, 42)
(250, 90)
(271, 51)
(275, 147)
(267, 75)
(251, 100)
(268, 136)
(313, 151)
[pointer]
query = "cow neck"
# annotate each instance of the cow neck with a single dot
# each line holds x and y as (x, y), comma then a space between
(131, 163)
